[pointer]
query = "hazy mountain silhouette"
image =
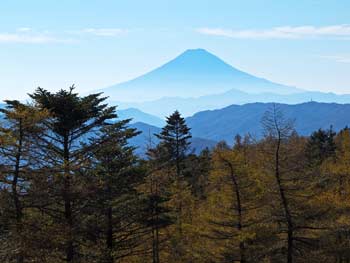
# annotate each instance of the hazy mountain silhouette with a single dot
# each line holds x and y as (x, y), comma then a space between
(137, 115)
(188, 106)
(196, 72)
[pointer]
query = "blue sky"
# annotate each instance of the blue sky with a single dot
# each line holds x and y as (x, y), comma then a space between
(97, 43)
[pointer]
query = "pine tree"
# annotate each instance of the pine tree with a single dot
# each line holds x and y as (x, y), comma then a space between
(116, 204)
(196, 172)
(175, 137)
(157, 196)
(320, 146)
(74, 120)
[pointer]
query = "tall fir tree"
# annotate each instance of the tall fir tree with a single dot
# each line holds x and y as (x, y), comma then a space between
(74, 120)
(115, 209)
(157, 196)
(175, 137)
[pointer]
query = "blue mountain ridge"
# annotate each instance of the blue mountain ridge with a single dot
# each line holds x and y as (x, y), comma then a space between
(189, 106)
(225, 123)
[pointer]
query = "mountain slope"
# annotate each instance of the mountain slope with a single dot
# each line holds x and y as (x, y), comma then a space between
(224, 124)
(194, 73)
(189, 106)
(137, 115)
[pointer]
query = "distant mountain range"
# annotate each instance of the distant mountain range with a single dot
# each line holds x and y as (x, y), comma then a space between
(224, 124)
(189, 106)
(211, 126)
(197, 80)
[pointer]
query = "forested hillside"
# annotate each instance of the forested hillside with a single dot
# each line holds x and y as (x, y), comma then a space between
(73, 189)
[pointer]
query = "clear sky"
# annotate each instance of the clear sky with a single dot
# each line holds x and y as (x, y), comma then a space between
(97, 43)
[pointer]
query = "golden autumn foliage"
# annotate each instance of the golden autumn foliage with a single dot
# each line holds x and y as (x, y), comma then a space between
(73, 190)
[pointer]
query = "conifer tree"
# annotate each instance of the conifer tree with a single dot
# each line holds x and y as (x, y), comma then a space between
(292, 189)
(235, 205)
(278, 130)
(320, 146)
(175, 137)
(157, 195)
(334, 185)
(116, 204)
(196, 172)
(74, 120)
(19, 160)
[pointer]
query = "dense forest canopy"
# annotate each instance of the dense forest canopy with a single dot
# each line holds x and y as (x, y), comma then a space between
(72, 189)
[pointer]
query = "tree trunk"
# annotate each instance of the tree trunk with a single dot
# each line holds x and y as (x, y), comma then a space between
(239, 211)
(288, 218)
(157, 245)
(155, 248)
(16, 201)
(155, 239)
(154, 260)
(67, 203)
(109, 235)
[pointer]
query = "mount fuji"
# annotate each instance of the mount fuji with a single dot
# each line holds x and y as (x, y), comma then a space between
(197, 80)
(194, 73)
